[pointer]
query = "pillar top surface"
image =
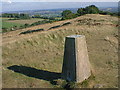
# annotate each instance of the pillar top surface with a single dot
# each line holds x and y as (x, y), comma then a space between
(75, 36)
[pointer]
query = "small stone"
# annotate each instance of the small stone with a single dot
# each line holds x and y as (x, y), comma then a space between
(57, 53)
(98, 86)
(60, 81)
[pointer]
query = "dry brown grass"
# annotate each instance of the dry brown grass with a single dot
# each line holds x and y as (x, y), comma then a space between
(44, 51)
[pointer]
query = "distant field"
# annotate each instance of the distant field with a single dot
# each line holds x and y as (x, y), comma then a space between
(6, 23)
(28, 21)
(9, 24)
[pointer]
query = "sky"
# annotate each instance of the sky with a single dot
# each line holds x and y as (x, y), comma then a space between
(10, 1)
(19, 5)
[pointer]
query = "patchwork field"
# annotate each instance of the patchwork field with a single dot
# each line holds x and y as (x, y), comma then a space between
(6, 23)
(34, 60)
(28, 21)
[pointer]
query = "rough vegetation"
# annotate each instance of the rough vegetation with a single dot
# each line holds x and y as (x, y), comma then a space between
(31, 31)
(35, 60)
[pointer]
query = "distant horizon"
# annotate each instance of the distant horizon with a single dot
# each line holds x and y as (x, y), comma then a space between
(46, 9)
(22, 6)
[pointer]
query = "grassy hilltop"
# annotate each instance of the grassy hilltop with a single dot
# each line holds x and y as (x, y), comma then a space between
(34, 59)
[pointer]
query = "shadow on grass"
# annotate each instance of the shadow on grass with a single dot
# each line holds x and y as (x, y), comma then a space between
(35, 73)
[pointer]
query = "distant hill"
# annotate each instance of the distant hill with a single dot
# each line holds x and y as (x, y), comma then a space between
(57, 12)
(110, 9)
(46, 12)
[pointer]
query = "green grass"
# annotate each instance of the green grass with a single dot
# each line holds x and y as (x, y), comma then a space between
(6, 23)
(9, 24)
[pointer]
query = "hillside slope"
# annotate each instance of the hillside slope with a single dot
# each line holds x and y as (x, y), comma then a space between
(35, 59)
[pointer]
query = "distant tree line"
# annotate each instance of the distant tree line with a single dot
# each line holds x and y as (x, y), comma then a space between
(41, 17)
(92, 9)
(16, 15)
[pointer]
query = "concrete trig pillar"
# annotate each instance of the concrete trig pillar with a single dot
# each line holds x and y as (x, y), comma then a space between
(76, 65)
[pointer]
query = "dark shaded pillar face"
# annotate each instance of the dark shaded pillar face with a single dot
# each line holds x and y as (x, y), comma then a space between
(68, 70)
(76, 65)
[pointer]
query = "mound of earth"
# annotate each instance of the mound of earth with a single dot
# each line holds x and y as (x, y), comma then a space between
(42, 52)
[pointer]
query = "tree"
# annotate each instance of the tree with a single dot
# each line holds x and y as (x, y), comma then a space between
(81, 11)
(51, 18)
(4, 29)
(16, 15)
(26, 25)
(92, 9)
(24, 16)
(118, 13)
(67, 14)
(105, 13)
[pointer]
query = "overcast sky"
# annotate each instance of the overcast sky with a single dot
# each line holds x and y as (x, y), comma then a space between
(60, 1)
(18, 5)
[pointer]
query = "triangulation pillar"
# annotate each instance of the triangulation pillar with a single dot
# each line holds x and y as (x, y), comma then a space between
(76, 65)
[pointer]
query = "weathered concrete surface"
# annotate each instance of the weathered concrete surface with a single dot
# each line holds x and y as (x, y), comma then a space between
(76, 65)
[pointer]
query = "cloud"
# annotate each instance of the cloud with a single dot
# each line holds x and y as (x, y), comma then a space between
(76, 0)
(8, 1)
